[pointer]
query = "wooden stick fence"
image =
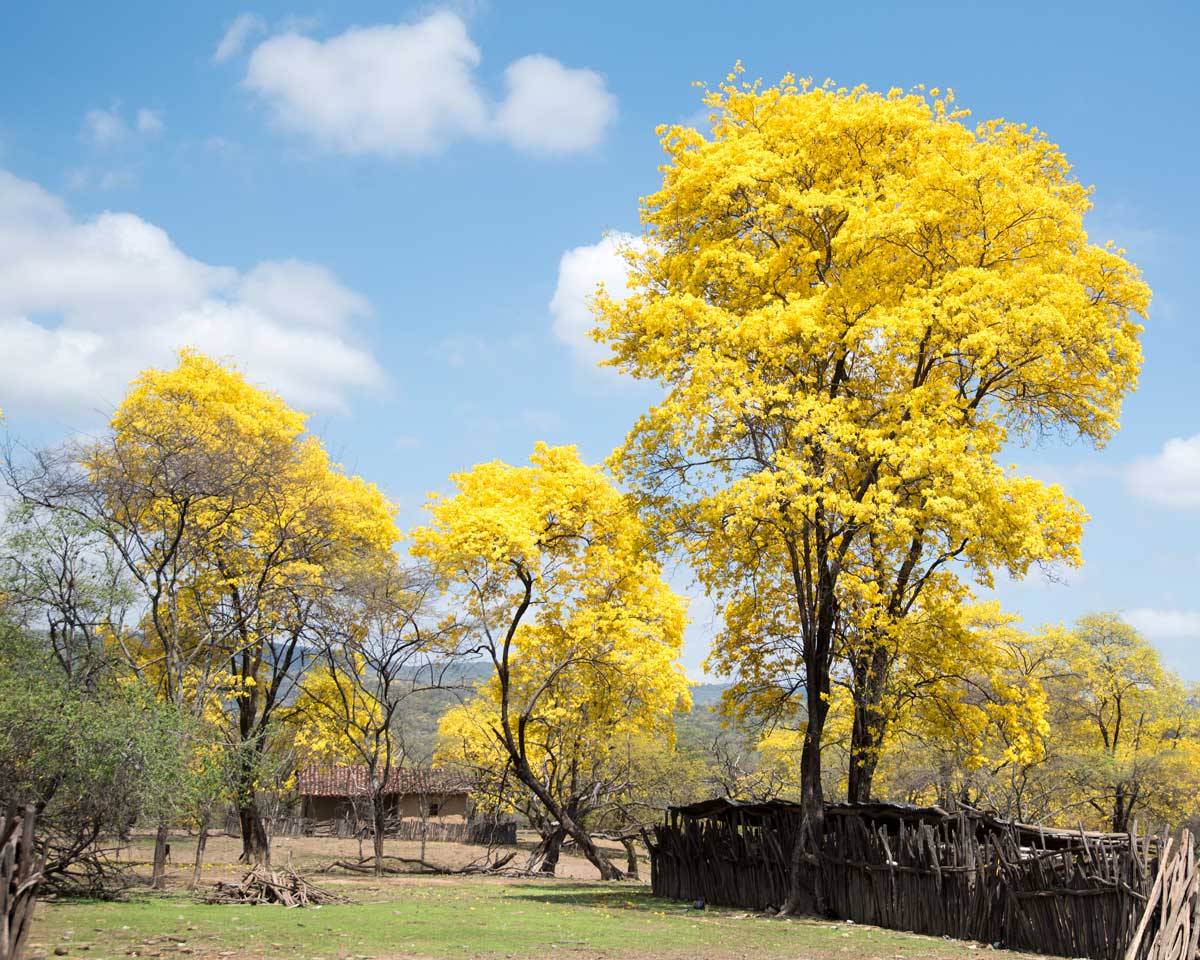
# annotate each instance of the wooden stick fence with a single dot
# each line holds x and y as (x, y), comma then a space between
(964, 875)
(482, 832)
(20, 874)
(1169, 928)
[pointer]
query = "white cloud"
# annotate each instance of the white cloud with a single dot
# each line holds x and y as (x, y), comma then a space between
(85, 305)
(1171, 477)
(103, 128)
(150, 121)
(300, 294)
(233, 42)
(580, 271)
(411, 88)
(1164, 624)
(391, 90)
(554, 109)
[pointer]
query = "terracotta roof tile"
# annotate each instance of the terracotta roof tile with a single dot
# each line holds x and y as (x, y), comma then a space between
(326, 781)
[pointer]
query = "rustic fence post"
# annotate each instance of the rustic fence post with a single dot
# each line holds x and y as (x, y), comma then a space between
(20, 874)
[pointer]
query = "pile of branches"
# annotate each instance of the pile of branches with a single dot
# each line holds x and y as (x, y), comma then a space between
(264, 885)
(79, 867)
(367, 866)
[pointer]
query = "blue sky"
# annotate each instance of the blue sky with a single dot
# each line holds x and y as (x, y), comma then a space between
(392, 212)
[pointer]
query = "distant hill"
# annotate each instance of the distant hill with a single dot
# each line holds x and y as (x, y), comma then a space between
(422, 711)
(696, 731)
(708, 694)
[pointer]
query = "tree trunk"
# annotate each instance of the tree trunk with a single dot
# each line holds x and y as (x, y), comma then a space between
(870, 722)
(556, 811)
(553, 850)
(631, 858)
(201, 843)
(805, 893)
(818, 607)
(424, 825)
(378, 826)
(608, 871)
(158, 877)
(514, 746)
(1120, 817)
(256, 846)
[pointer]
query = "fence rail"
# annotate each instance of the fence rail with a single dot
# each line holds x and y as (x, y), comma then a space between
(968, 876)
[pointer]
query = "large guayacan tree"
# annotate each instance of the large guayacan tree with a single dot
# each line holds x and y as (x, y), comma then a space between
(854, 302)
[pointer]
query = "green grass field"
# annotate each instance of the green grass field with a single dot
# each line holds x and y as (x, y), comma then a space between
(438, 917)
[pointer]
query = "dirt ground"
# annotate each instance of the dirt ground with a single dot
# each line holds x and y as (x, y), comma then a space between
(310, 855)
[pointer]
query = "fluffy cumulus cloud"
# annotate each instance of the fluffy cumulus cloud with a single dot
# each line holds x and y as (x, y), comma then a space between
(580, 271)
(387, 89)
(412, 88)
(85, 305)
(554, 109)
(1172, 476)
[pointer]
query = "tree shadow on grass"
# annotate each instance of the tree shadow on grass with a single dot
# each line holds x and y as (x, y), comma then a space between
(591, 895)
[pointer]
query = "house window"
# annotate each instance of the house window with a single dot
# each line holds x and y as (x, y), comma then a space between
(434, 807)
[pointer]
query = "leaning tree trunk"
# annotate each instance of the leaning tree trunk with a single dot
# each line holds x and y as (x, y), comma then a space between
(587, 846)
(555, 810)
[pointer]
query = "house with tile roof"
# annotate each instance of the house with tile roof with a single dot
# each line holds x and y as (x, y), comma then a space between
(333, 792)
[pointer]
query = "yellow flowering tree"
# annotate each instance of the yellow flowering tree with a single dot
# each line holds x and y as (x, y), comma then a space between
(965, 709)
(854, 301)
(1127, 728)
(556, 587)
(229, 517)
(948, 669)
(1068, 726)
